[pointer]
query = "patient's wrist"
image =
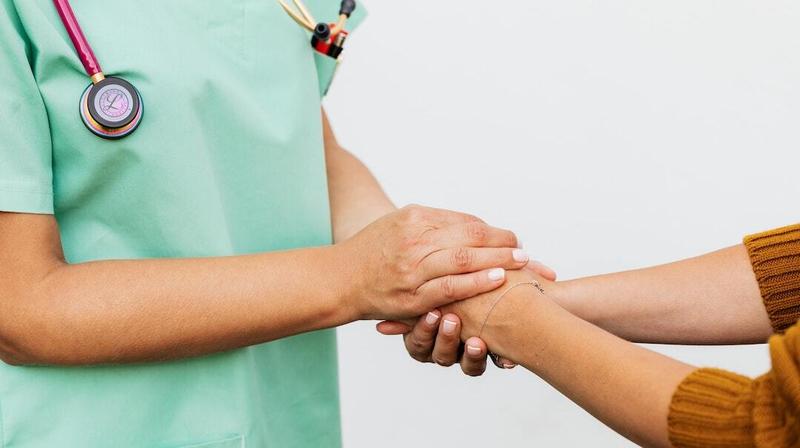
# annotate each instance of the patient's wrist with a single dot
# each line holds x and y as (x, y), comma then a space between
(516, 314)
(567, 295)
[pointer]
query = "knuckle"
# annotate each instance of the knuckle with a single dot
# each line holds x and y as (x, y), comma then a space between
(418, 357)
(444, 362)
(448, 287)
(413, 213)
(462, 258)
(477, 282)
(501, 257)
(426, 338)
(417, 347)
(473, 218)
(473, 371)
(408, 280)
(452, 340)
(403, 268)
(413, 345)
(477, 232)
(408, 242)
(512, 239)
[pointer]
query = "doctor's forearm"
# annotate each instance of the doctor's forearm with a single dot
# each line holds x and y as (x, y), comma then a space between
(671, 303)
(117, 311)
(153, 310)
(356, 197)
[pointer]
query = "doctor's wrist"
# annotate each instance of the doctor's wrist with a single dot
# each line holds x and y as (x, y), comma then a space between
(324, 276)
(346, 292)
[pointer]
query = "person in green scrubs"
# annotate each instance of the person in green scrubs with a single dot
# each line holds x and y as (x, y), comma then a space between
(178, 287)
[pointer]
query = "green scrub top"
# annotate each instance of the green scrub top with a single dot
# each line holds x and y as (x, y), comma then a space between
(228, 160)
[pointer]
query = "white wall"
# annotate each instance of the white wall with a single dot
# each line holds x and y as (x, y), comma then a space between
(609, 134)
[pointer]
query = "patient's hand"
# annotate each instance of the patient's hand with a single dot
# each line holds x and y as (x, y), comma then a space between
(437, 337)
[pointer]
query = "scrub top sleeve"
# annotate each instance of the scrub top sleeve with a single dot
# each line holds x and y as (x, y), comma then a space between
(328, 10)
(26, 175)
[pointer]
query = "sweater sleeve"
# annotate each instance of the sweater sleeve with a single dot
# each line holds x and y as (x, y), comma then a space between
(775, 256)
(715, 408)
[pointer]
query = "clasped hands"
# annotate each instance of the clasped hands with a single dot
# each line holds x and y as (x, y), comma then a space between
(452, 334)
(430, 275)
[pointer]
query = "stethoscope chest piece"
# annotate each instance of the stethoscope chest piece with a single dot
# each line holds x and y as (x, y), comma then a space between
(111, 108)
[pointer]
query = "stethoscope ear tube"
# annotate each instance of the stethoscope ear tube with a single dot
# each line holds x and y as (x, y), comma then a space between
(327, 39)
(347, 8)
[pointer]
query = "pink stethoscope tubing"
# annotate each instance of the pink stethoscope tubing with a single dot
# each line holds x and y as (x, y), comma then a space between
(85, 53)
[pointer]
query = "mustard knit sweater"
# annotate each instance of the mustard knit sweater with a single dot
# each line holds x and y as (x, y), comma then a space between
(715, 408)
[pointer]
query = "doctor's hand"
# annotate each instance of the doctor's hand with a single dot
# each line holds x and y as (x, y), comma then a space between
(437, 338)
(418, 259)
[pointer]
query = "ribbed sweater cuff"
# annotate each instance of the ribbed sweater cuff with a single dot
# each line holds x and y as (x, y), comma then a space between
(710, 409)
(775, 256)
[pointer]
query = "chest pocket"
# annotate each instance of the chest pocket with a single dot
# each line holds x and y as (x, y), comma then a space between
(222, 27)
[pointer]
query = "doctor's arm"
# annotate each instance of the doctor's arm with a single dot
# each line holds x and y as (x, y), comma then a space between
(356, 197)
(356, 200)
(119, 311)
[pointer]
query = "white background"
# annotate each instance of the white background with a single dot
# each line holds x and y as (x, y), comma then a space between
(609, 134)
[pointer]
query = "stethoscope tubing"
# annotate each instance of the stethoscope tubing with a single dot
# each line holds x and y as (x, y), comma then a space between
(327, 39)
(84, 50)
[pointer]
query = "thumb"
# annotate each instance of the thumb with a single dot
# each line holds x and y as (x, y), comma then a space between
(392, 328)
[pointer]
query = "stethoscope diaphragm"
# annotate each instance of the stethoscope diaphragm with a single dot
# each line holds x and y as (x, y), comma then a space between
(111, 108)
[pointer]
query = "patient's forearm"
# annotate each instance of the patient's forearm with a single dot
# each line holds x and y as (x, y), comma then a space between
(627, 387)
(711, 299)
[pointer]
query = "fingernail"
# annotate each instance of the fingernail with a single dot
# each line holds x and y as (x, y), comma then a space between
(497, 274)
(508, 366)
(431, 318)
(520, 244)
(474, 351)
(449, 327)
(520, 255)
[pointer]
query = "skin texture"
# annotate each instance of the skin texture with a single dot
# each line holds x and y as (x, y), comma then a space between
(670, 304)
(665, 304)
(581, 326)
(356, 197)
(118, 311)
(433, 339)
(629, 387)
(350, 182)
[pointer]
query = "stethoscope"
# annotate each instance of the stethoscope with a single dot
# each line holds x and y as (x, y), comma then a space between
(112, 107)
